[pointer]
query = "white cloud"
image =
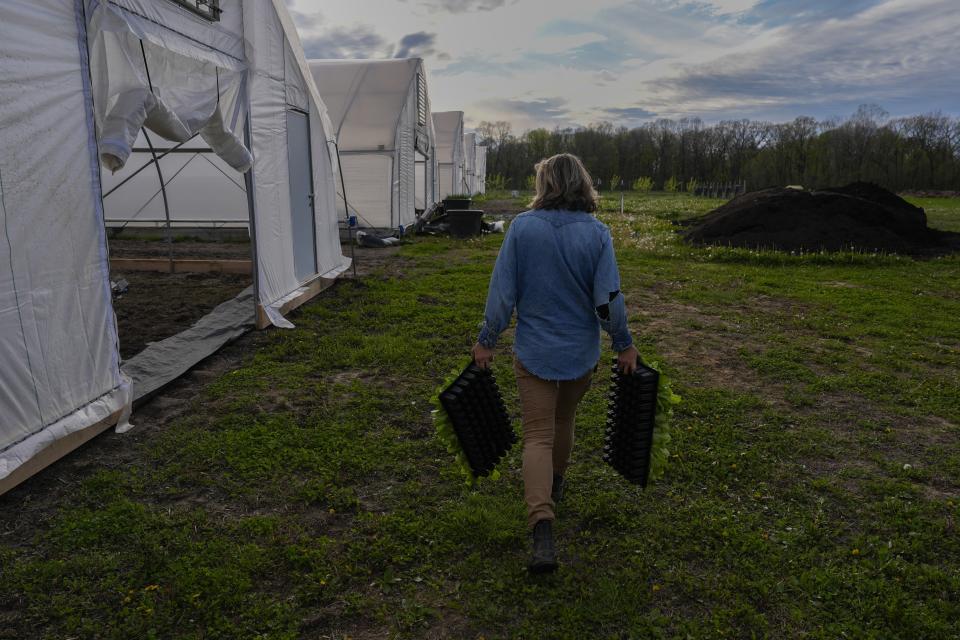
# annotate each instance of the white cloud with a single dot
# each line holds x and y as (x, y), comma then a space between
(713, 58)
(463, 6)
(733, 6)
(874, 56)
(560, 44)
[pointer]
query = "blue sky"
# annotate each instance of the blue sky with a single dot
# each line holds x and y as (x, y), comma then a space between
(560, 63)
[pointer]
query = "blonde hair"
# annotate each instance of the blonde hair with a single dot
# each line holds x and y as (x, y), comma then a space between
(564, 183)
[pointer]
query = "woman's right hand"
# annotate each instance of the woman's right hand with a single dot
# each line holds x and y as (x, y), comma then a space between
(627, 360)
(482, 355)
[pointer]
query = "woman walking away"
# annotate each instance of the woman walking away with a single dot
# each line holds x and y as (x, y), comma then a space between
(557, 269)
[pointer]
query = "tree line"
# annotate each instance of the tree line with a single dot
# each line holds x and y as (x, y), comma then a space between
(913, 153)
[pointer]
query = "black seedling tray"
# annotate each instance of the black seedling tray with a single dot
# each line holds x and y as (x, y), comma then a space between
(479, 418)
(630, 420)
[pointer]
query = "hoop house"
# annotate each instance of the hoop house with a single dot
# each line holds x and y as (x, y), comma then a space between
(86, 82)
(380, 110)
(470, 162)
(448, 126)
(480, 171)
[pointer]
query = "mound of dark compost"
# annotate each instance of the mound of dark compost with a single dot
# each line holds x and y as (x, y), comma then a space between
(859, 217)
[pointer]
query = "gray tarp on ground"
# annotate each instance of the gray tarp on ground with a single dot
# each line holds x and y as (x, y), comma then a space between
(165, 361)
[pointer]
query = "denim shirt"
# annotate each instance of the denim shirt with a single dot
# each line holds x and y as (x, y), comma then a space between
(555, 268)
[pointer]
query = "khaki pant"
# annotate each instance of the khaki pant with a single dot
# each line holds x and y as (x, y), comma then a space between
(548, 408)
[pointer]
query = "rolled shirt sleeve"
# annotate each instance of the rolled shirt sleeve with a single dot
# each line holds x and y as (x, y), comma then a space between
(606, 291)
(502, 295)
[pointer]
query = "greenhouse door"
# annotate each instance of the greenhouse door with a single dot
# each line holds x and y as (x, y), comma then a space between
(301, 195)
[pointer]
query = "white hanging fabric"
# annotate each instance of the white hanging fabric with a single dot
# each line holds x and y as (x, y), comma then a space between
(142, 78)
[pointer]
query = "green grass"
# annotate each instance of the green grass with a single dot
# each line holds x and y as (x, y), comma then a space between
(813, 491)
(942, 213)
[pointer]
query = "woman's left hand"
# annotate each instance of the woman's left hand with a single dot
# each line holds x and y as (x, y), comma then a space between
(482, 355)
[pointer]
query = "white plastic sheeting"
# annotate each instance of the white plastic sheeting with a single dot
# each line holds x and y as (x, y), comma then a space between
(448, 129)
(163, 362)
(180, 31)
(374, 108)
(192, 175)
(213, 57)
(58, 338)
(279, 80)
(138, 80)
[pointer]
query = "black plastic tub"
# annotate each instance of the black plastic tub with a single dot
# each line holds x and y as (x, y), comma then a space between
(456, 204)
(464, 223)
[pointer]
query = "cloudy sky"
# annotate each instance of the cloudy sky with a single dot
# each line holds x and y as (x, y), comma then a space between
(562, 62)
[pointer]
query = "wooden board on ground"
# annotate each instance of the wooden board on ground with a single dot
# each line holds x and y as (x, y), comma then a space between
(310, 290)
(182, 265)
(57, 450)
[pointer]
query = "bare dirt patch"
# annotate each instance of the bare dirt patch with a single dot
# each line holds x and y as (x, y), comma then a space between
(159, 305)
(369, 260)
(349, 376)
(502, 208)
(688, 334)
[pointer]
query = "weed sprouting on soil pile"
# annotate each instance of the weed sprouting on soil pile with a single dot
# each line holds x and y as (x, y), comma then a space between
(812, 490)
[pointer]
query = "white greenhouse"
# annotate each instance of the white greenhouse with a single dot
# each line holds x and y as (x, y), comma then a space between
(380, 110)
(448, 128)
(475, 165)
(117, 83)
(470, 162)
(480, 170)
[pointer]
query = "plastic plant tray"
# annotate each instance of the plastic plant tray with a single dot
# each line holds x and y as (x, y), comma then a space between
(479, 417)
(630, 422)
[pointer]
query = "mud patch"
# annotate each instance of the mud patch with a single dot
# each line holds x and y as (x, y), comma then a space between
(369, 260)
